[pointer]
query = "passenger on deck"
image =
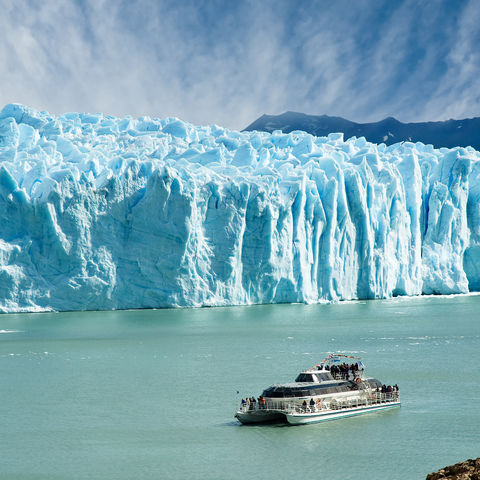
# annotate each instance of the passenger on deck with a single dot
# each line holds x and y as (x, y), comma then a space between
(304, 405)
(312, 404)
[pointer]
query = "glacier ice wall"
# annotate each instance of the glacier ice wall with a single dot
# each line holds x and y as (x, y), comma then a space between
(98, 212)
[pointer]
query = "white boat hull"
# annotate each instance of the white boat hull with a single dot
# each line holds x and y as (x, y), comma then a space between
(325, 415)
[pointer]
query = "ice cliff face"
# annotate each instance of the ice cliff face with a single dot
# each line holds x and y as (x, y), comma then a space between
(98, 212)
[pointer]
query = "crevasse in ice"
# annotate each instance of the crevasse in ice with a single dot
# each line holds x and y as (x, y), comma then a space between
(98, 212)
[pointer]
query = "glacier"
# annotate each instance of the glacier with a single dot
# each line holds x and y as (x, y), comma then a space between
(98, 212)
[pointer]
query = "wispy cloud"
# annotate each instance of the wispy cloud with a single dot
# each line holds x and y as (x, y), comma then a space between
(228, 62)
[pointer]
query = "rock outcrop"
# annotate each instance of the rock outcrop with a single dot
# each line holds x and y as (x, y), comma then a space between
(468, 470)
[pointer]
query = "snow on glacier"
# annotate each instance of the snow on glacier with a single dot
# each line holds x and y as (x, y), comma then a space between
(98, 212)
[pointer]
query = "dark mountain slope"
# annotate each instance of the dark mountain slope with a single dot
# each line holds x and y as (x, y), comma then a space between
(450, 133)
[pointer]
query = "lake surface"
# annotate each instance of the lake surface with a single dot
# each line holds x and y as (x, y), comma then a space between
(152, 394)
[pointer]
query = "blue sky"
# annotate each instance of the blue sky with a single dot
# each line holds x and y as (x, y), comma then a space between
(228, 62)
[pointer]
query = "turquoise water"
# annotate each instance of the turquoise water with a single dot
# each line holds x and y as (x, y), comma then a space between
(151, 394)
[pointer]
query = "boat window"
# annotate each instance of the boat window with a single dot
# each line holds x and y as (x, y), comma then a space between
(304, 377)
(279, 392)
(296, 392)
(268, 391)
(306, 391)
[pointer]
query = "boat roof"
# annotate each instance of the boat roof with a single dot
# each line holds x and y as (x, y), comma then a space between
(307, 384)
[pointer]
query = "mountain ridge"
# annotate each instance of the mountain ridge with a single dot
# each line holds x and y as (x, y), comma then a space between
(447, 133)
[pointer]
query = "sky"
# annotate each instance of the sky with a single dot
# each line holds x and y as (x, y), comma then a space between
(228, 62)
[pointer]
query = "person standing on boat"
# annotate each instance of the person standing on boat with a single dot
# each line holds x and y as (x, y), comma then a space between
(395, 391)
(312, 404)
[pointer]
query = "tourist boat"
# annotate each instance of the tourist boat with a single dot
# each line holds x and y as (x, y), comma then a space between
(335, 388)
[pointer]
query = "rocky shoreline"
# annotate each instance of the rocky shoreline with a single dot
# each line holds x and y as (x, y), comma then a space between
(468, 470)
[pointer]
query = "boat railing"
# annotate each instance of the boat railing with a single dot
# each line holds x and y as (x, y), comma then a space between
(348, 375)
(368, 399)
